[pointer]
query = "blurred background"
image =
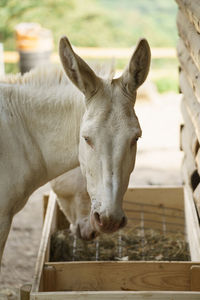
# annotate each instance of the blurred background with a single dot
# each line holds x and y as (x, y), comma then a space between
(99, 23)
(99, 30)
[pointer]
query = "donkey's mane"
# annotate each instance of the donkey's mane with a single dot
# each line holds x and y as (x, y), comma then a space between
(53, 75)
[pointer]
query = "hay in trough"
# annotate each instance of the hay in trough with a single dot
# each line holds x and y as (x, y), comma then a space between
(129, 244)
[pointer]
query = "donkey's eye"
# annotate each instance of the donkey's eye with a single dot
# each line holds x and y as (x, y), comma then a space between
(88, 140)
(134, 140)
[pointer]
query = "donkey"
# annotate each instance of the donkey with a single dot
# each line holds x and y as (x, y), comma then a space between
(48, 126)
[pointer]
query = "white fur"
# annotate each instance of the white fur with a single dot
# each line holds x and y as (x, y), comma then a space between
(44, 118)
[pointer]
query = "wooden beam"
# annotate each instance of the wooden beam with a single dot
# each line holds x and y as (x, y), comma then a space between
(188, 65)
(122, 276)
(190, 145)
(189, 36)
(168, 196)
(188, 127)
(167, 295)
(192, 10)
(188, 156)
(193, 106)
(44, 242)
(191, 218)
(160, 206)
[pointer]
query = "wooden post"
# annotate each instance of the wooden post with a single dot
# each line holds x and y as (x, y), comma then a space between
(49, 279)
(195, 278)
(25, 292)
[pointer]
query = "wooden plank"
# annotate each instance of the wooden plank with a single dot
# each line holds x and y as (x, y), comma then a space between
(53, 225)
(116, 296)
(191, 172)
(188, 138)
(192, 11)
(154, 217)
(154, 206)
(193, 159)
(189, 36)
(125, 276)
(169, 196)
(195, 278)
(192, 223)
(188, 155)
(189, 130)
(44, 242)
(187, 63)
(191, 103)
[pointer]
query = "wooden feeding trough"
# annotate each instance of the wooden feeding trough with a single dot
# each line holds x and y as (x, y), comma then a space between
(150, 207)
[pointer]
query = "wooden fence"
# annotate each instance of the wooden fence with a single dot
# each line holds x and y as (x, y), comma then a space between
(188, 49)
(13, 57)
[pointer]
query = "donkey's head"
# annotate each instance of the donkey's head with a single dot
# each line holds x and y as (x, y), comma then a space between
(109, 132)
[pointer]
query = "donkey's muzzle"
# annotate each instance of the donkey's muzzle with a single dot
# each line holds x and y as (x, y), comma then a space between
(108, 224)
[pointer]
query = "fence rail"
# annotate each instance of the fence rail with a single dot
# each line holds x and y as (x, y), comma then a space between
(13, 57)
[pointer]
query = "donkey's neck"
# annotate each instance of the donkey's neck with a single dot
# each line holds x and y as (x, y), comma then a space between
(51, 121)
(55, 125)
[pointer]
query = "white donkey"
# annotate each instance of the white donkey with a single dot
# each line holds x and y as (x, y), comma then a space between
(47, 126)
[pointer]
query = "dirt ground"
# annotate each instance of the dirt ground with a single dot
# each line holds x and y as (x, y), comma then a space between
(158, 163)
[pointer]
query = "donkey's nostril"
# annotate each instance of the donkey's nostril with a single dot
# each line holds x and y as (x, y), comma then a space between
(123, 222)
(78, 232)
(93, 235)
(97, 218)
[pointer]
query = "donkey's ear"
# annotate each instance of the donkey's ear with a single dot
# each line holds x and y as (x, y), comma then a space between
(138, 68)
(77, 70)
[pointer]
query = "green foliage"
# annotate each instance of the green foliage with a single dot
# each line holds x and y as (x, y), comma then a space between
(166, 84)
(11, 11)
(11, 68)
(112, 23)
(165, 74)
(100, 23)
(155, 20)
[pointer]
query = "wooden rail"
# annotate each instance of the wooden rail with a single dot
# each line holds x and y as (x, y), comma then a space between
(12, 57)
